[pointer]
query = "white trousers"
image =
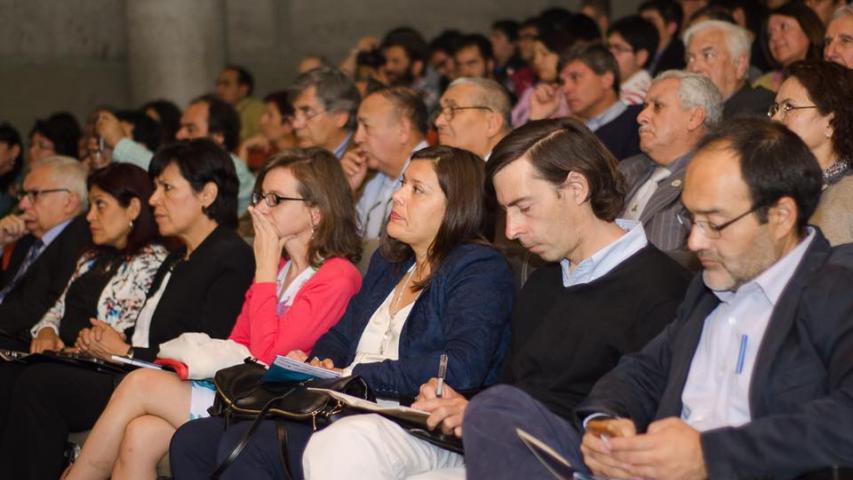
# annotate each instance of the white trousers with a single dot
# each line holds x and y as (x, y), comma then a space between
(371, 447)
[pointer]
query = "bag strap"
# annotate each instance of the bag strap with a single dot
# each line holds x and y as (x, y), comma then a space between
(281, 433)
(244, 440)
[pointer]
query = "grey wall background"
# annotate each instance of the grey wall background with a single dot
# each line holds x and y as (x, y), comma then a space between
(77, 54)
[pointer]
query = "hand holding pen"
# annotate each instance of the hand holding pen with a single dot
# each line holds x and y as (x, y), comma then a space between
(442, 375)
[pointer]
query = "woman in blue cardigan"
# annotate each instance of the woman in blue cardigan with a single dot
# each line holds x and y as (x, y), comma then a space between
(433, 288)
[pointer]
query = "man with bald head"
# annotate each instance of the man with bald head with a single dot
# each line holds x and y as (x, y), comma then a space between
(721, 51)
(759, 348)
(474, 114)
(49, 236)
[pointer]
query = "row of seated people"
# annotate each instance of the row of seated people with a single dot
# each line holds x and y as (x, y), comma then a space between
(435, 287)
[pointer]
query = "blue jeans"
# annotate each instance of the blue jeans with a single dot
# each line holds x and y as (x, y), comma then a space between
(199, 446)
(492, 447)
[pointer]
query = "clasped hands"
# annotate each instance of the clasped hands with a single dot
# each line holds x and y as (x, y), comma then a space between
(670, 449)
(100, 341)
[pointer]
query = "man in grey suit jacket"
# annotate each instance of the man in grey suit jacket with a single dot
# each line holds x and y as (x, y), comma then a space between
(753, 379)
(680, 108)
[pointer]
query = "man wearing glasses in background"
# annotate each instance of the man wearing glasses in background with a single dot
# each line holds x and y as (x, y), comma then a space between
(50, 233)
(753, 379)
(325, 102)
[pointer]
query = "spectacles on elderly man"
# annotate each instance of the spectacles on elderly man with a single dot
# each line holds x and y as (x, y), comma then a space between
(34, 194)
(708, 229)
(449, 111)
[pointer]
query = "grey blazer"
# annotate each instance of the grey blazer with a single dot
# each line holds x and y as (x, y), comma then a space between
(659, 217)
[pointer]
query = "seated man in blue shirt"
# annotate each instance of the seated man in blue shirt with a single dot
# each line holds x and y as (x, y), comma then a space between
(752, 379)
(561, 192)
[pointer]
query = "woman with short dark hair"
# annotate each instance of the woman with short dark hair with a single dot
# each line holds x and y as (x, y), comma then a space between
(276, 133)
(433, 288)
(198, 288)
(814, 102)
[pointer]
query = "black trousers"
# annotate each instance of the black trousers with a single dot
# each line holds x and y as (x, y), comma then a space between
(50, 400)
(199, 446)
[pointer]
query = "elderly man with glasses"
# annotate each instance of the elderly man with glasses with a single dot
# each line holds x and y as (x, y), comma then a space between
(474, 114)
(49, 233)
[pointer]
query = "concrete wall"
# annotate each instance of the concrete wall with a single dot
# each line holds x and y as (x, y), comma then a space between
(73, 54)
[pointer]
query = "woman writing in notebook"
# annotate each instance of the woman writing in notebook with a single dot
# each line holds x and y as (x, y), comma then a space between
(303, 207)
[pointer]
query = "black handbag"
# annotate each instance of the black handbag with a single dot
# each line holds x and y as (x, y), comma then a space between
(240, 394)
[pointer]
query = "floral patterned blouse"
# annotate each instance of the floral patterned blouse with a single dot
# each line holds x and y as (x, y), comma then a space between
(123, 297)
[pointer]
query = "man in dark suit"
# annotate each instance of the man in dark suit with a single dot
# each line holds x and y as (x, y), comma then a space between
(590, 81)
(680, 108)
(753, 379)
(50, 234)
(721, 51)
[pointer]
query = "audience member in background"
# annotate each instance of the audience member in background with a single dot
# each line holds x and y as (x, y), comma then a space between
(751, 15)
(432, 289)
(599, 11)
(666, 16)
(690, 7)
(680, 109)
(814, 102)
(545, 99)
(276, 132)
(169, 116)
(838, 44)
(58, 134)
(562, 195)
(205, 117)
(11, 167)
(440, 56)
(198, 288)
(473, 115)
(405, 52)
(510, 70)
(632, 40)
(721, 51)
(473, 56)
(310, 62)
(794, 32)
(528, 31)
(687, 406)
(135, 124)
(235, 86)
(825, 8)
(324, 102)
(102, 300)
(49, 235)
(305, 242)
(590, 82)
(392, 125)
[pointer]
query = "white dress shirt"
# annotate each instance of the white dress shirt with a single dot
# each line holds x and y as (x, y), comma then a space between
(716, 393)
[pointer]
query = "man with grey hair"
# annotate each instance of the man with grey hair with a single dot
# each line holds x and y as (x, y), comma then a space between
(474, 114)
(325, 103)
(49, 235)
(721, 51)
(838, 44)
(680, 108)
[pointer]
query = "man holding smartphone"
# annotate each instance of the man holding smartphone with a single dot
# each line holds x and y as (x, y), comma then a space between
(753, 379)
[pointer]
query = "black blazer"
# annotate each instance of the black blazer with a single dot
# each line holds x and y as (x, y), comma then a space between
(801, 396)
(204, 294)
(44, 281)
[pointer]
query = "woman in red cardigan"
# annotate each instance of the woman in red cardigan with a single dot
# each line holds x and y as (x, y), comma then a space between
(302, 207)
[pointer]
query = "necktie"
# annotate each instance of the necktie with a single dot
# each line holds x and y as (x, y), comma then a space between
(638, 203)
(31, 257)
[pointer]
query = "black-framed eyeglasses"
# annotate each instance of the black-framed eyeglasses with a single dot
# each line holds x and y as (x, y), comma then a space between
(785, 107)
(34, 194)
(449, 111)
(708, 229)
(272, 199)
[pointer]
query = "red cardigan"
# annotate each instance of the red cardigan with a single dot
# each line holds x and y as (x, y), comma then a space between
(317, 307)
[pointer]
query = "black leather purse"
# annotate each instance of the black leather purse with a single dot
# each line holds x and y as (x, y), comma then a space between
(240, 394)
